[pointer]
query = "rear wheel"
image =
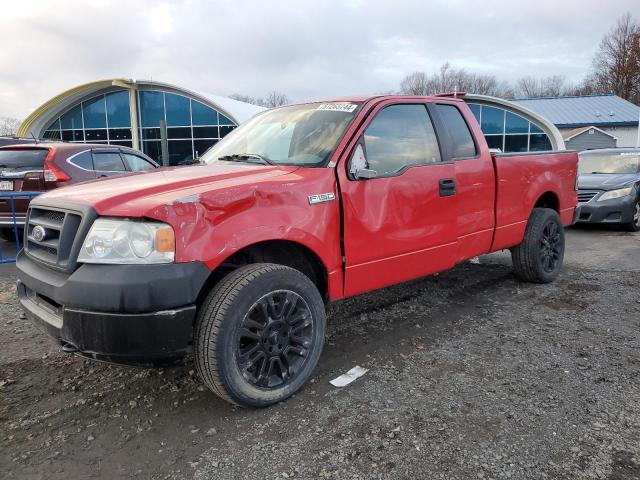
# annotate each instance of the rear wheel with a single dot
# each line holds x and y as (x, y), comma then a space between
(634, 224)
(259, 334)
(539, 257)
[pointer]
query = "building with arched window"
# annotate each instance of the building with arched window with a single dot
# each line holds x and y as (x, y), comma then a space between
(130, 113)
(511, 127)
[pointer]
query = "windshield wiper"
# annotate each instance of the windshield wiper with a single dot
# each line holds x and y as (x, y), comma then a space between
(240, 157)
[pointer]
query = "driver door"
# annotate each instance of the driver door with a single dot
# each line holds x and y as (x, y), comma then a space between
(400, 209)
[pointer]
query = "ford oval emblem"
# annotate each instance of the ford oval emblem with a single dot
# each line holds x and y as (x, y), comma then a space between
(38, 233)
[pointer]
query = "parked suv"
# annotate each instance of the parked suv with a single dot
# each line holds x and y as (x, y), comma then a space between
(38, 167)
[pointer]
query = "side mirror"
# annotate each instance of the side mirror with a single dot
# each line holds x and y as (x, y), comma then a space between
(358, 167)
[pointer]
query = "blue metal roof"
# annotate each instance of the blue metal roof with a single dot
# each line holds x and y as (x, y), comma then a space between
(596, 110)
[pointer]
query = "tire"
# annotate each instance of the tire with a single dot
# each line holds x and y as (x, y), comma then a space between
(259, 334)
(634, 224)
(539, 257)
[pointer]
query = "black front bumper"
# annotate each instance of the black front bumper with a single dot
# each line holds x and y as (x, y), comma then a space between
(618, 210)
(131, 314)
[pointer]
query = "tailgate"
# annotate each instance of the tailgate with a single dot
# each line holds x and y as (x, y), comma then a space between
(21, 170)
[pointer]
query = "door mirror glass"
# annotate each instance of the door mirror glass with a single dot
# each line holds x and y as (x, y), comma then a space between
(358, 168)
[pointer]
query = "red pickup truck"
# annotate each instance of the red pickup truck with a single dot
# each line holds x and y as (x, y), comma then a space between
(235, 259)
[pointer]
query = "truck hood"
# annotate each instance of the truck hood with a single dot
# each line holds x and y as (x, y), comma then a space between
(138, 193)
(606, 181)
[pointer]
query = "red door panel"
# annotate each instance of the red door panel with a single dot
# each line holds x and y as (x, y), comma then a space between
(475, 177)
(398, 228)
(475, 182)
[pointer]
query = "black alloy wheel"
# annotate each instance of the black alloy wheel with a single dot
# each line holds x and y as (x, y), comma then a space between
(274, 339)
(259, 334)
(550, 245)
(539, 256)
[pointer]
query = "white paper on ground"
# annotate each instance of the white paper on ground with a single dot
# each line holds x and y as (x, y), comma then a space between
(350, 376)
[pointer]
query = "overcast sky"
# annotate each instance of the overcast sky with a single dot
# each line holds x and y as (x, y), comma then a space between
(307, 49)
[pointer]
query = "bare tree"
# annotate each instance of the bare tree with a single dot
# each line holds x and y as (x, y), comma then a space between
(415, 83)
(449, 79)
(617, 63)
(9, 126)
(553, 86)
(273, 99)
(588, 86)
(532, 87)
(244, 98)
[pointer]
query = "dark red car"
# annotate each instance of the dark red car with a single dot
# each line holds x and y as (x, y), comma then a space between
(39, 167)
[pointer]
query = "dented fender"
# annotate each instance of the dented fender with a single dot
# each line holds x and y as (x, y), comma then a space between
(210, 226)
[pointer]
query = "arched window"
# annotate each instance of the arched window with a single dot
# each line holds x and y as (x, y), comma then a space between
(192, 126)
(102, 119)
(508, 131)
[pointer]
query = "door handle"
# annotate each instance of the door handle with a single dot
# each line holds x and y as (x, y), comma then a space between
(447, 187)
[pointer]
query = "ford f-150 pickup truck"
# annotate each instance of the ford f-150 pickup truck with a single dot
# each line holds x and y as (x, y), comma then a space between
(235, 259)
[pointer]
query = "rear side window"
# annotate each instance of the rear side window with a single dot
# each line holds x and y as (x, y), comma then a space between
(462, 145)
(400, 136)
(82, 160)
(22, 159)
(108, 162)
(136, 163)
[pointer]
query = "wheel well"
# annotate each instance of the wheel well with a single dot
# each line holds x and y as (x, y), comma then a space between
(281, 252)
(548, 200)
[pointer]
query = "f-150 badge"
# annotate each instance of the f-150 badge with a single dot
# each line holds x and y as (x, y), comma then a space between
(321, 198)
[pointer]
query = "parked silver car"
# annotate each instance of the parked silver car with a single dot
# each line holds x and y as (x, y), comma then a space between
(609, 187)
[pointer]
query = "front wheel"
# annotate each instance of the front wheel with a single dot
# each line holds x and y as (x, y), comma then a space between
(259, 334)
(539, 257)
(634, 224)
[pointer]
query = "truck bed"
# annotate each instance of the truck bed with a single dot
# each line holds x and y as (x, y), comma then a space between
(521, 180)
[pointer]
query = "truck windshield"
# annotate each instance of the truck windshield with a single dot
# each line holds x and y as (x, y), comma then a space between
(304, 135)
(619, 162)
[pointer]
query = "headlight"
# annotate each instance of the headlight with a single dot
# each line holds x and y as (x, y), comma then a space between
(610, 195)
(128, 241)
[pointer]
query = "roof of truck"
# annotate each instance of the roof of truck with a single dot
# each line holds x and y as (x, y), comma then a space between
(362, 99)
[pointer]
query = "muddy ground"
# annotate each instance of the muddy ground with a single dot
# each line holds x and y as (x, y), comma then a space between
(473, 374)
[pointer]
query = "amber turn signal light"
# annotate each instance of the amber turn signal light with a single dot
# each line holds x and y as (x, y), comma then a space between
(165, 240)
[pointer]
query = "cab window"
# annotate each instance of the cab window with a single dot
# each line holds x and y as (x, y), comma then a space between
(400, 137)
(462, 144)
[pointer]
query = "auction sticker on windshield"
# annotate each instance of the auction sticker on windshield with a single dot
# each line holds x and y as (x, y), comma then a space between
(337, 107)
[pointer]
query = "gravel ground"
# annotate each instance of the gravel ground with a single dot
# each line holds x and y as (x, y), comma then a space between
(472, 375)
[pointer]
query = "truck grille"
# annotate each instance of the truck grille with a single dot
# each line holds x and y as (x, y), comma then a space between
(50, 235)
(585, 196)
